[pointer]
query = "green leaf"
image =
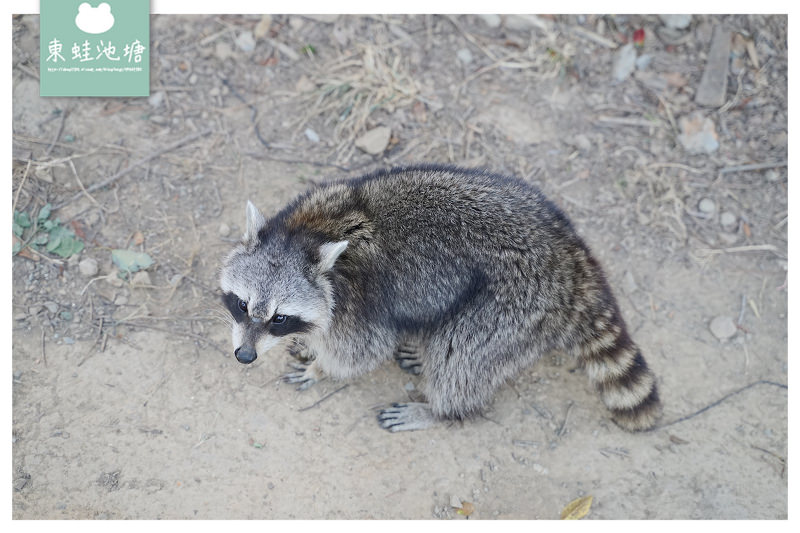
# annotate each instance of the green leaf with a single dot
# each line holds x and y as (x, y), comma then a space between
(130, 261)
(55, 242)
(63, 242)
(23, 219)
(16, 247)
(44, 212)
(17, 229)
(41, 239)
(48, 225)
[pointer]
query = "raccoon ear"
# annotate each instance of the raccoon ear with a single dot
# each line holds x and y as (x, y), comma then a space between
(255, 222)
(329, 253)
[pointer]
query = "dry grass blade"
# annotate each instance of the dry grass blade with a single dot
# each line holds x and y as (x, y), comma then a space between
(351, 89)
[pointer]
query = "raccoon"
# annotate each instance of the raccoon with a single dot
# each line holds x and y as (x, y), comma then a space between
(464, 276)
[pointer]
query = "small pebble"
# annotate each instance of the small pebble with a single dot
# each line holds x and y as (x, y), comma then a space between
(20, 483)
(707, 206)
(51, 306)
(224, 230)
(312, 135)
(624, 62)
(156, 99)
(728, 220)
(375, 140)
(69, 340)
(121, 300)
(722, 327)
(193, 79)
(455, 502)
(17, 375)
(409, 386)
(493, 21)
(175, 280)
(465, 56)
(678, 22)
(141, 278)
(246, 42)
(88, 267)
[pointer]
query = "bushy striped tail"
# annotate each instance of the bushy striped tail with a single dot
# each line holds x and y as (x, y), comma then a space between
(615, 365)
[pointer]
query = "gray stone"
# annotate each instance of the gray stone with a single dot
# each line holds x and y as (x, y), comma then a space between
(88, 267)
(312, 135)
(246, 42)
(409, 386)
(51, 306)
(375, 140)
(224, 230)
(455, 501)
(141, 278)
(707, 206)
(714, 83)
(493, 21)
(727, 220)
(156, 99)
(678, 22)
(722, 327)
(582, 142)
(624, 62)
(465, 56)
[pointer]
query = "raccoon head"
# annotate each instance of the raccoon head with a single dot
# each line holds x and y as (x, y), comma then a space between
(275, 284)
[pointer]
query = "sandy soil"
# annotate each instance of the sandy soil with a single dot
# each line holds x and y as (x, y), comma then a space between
(127, 402)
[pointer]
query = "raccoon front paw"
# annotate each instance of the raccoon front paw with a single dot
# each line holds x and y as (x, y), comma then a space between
(406, 417)
(300, 351)
(307, 375)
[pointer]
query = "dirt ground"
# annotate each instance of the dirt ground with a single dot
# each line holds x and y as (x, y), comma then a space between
(127, 402)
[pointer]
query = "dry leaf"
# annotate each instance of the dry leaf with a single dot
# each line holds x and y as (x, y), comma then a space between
(138, 238)
(25, 252)
(466, 509)
(746, 229)
(577, 509)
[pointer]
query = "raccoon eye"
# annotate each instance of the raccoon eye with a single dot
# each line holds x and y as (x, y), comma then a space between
(279, 319)
(242, 305)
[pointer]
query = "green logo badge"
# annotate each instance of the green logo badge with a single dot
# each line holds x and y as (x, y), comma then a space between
(94, 48)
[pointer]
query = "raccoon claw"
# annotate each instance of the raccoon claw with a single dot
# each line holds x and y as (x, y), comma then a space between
(307, 376)
(406, 417)
(408, 360)
(412, 365)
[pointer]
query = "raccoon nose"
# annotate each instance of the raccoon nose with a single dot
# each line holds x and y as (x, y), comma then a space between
(245, 355)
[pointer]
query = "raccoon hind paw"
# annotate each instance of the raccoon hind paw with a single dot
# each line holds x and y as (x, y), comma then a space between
(406, 417)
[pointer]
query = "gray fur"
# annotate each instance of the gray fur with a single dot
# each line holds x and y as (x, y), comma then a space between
(465, 276)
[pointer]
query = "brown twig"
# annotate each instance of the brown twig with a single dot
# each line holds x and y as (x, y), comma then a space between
(323, 399)
(58, 134)
(138, 163)
(716, 403)
(19, 189)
